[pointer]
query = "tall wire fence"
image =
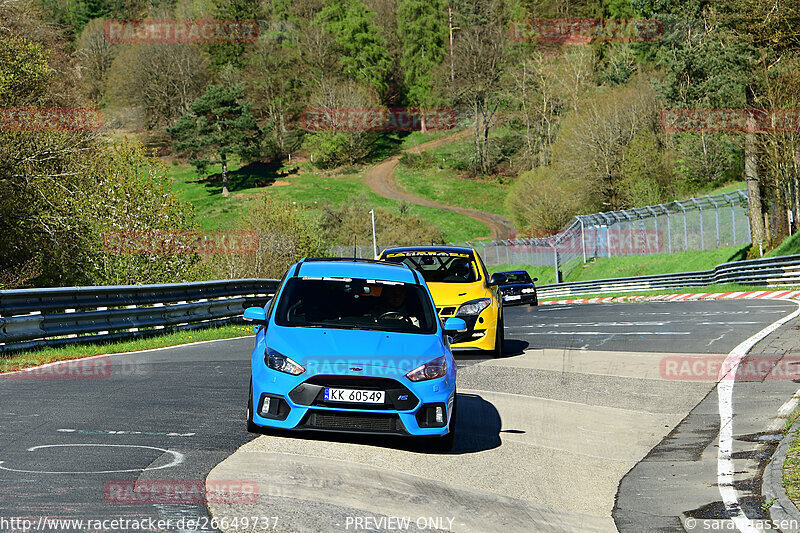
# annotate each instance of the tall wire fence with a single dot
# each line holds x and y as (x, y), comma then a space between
(703, 223)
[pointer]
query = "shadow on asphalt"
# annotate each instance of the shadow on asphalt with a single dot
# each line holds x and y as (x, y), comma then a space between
(514, 347)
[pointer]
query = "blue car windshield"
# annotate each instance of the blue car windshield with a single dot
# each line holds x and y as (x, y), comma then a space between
(350, 303)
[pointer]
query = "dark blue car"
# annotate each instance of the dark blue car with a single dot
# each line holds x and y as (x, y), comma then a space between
(518, 288)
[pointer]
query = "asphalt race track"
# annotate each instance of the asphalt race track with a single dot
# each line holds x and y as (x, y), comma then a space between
(574, 429)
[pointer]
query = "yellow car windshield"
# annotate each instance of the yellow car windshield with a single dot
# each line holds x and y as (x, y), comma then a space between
(439, 268)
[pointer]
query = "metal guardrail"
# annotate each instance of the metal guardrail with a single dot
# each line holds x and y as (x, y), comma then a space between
(31, 318)
(771, 272)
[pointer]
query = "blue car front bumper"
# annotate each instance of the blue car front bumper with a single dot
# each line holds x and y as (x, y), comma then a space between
(298, 402)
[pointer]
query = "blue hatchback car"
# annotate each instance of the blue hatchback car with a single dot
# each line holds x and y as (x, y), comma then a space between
(353, 346)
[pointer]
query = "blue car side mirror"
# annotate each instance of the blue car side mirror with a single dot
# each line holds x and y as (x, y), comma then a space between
(255, 314)
(455, 325)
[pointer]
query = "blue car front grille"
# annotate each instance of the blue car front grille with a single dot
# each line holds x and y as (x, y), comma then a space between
(352, 422)
(312, 393)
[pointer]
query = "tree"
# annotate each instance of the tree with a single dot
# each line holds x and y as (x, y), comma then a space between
(95, 57)
(161, 80)
(542, 201)
(543, 88)
(593, 143)
(480, 61)
(232, 53)
(286, 233)
(276, 86)
(363, 49)
(423, 32)
(218, 125)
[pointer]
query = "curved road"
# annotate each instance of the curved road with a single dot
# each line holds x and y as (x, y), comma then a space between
(546, 434)
(380, 178)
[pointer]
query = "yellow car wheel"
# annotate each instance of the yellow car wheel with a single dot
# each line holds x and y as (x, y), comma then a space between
(499, 337)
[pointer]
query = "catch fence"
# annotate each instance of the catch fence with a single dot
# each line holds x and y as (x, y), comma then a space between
(703, 223)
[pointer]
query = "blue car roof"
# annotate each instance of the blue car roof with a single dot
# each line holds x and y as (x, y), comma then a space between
(513, 272)
(432, 248)
(355, 269)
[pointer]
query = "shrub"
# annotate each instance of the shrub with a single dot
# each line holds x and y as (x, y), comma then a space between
(286, 233)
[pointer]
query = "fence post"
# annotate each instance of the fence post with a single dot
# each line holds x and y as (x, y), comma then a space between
(507, 245)
(685, 230)
(733, 221)
(669, 232)
(583, 241)
(555, 262)
(716, 217)
(702, 238)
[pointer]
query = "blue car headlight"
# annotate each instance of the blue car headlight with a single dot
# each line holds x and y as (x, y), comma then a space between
(474, 307)
(277, 361)
(430, 370)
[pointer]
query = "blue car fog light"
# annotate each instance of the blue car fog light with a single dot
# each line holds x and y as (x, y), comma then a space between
(271, 406)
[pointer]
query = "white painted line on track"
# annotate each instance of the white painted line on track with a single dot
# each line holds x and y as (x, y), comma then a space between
(725, 394)
(177, 458)
(612, 333)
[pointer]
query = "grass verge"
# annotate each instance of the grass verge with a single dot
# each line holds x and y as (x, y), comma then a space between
(49, 355)
(644, 265)
(791, 465)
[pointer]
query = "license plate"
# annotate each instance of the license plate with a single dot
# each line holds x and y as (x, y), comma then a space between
(515, 297)
(354, 396)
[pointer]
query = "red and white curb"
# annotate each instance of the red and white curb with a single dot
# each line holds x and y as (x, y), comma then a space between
(749, 295)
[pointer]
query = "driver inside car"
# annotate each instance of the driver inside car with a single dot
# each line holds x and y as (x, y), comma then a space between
(393, 299)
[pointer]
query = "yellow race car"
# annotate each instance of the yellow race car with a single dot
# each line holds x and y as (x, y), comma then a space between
(460, 287)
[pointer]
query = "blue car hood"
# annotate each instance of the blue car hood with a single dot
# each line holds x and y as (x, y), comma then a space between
(327, 351)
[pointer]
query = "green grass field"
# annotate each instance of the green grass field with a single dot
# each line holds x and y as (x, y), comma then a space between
(447, 187)
(309, 189)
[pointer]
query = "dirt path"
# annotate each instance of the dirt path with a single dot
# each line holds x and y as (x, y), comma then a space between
(380, 178)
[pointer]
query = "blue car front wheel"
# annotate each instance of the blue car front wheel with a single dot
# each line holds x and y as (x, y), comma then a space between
(251, 426)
